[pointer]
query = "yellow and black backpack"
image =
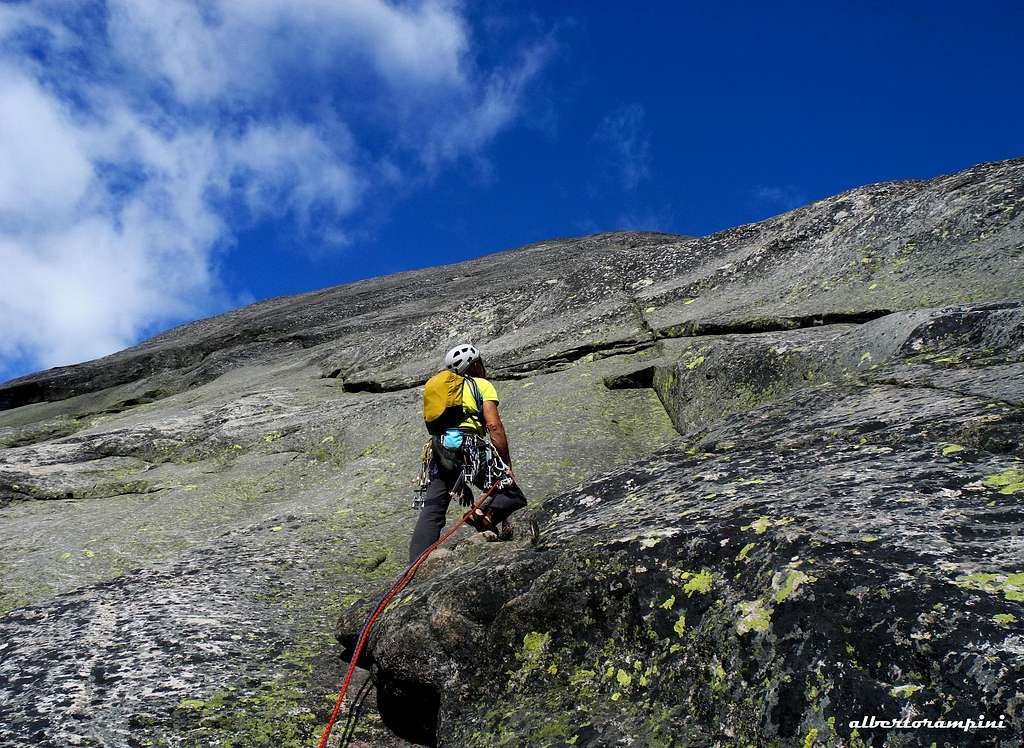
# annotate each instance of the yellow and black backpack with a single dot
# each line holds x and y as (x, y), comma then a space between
(442, 401)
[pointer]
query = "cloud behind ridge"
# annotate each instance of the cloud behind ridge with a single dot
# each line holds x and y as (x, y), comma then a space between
(138, 138)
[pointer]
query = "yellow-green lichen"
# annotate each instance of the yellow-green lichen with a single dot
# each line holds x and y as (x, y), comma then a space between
(904, 692)
(278, 713)
(700, 582)
(535, 644)
(951, 449)
(1011, 585)
(812, 734)
(718, 677)
(745, 551)
(1008, 482)
(759, 525)
(582, 676)
(753, 616)
(680, 626)
(1004, 618)
(792, 582)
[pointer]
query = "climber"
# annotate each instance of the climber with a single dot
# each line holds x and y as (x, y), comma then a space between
(448, 454)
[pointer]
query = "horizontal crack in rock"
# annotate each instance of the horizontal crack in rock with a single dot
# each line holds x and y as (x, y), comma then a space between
(571, 356)
(769, 324)
(566, 358)
(512, 372)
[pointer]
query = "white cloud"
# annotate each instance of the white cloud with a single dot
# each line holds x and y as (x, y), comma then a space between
(240, 47)
(43, 171)
(139, 136)
(625, 137)
(289, 167)
(495, 109)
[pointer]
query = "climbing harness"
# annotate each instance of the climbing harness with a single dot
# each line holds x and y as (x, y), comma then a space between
(403, 580)
(475, 458)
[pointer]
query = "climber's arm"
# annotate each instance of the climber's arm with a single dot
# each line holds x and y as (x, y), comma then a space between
(497, 430)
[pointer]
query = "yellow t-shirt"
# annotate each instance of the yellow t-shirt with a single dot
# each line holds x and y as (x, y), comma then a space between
(487, 392)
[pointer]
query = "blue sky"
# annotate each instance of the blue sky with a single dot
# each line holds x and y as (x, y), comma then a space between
(166, 161)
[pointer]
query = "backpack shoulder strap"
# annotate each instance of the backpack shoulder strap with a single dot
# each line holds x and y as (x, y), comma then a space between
(474, 388)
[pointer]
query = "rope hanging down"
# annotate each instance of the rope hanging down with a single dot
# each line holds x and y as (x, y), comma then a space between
(403, 580)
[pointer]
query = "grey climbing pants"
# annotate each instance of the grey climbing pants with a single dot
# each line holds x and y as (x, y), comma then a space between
(432, 516)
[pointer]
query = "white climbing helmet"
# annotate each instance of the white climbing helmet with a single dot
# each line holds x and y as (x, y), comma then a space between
(459, 358)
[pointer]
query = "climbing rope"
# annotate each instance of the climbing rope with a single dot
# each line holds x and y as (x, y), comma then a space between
(403, 580)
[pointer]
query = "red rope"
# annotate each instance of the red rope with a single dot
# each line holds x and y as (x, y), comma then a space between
(399, 585)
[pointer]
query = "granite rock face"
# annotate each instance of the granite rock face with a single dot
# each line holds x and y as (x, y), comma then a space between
(845, 549)
(777, 473)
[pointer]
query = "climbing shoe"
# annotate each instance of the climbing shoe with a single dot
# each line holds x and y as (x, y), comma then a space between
(506, 531)
(479, 521)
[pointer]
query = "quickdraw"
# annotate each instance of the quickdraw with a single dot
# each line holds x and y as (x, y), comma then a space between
(481, 466)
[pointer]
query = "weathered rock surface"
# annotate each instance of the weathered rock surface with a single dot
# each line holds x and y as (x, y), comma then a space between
(778, 472)
(848, 549)
(234, 521)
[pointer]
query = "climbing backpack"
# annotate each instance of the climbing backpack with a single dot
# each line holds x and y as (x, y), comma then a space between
(442, 401)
